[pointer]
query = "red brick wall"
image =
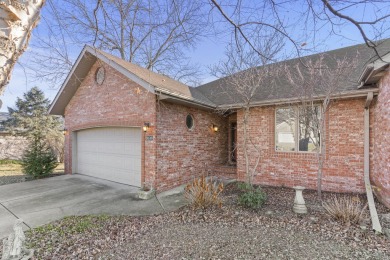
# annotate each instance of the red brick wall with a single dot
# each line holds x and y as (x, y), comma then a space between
(380, 138)
(178, 154)
(183, 154)
(343, 168)
(117, 102)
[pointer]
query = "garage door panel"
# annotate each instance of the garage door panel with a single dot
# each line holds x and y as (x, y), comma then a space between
(114, 160)
(88, 157)
(112, 148)
(110, 153)
(86, 146)
(132, 166)
(132, 149)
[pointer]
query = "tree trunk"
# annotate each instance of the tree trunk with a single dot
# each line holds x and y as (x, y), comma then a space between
(319, 176)
(246, 118)
(321, 150)
(17, 20)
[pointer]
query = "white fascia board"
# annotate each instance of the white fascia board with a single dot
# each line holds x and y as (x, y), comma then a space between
(111, 63)
(372, 68)
(366, 73)
(344, 95)
(184, 97)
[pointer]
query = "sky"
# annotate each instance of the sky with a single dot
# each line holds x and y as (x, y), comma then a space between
(208, 51)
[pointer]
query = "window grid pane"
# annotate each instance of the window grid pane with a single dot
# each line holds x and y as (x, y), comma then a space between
(297, 129)
(308, 128)
(285, 129)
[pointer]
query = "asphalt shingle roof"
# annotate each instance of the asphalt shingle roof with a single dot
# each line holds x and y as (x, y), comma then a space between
(160, 81)
(221, 92)
(224, 91)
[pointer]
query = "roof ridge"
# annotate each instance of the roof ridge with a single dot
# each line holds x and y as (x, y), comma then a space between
(135, 64)
(221, 91)
(343, 49)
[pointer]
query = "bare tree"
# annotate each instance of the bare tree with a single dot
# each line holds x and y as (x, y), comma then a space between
(245, 74)
(316, 84)
(17, 20)
(304, 23)
(153, 34)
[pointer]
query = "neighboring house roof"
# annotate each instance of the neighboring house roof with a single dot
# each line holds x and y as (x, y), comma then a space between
(221, 93)
(3, 117)
(224, 92)
(154, 82)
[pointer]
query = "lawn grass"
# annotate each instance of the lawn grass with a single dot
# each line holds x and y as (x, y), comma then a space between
(13, 167)
(7, 161)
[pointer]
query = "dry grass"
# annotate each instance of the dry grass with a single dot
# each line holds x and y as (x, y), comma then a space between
(203, 193)
(346, 209)
(13, 168)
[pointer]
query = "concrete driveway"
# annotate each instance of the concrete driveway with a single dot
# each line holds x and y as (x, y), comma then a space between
(42, 201)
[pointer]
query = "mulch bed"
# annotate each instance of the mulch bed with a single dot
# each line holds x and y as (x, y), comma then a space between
(4, 180)
(230, 232)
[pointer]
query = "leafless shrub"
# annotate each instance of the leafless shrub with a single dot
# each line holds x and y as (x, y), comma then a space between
(346, 209)
(203, 193)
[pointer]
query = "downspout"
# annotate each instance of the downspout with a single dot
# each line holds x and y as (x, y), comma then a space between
(376, 226)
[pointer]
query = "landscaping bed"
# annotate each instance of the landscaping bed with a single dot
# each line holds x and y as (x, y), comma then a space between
(229, 232)
(11, 172)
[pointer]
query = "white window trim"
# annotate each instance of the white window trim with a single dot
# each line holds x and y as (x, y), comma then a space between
(296, 107)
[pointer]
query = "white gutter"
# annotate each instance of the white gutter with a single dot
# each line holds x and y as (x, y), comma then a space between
(184, 98)
(370, 197)
(367, 72)
(270, 102)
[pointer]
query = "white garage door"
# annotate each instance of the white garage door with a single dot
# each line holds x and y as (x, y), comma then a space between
(110, 153)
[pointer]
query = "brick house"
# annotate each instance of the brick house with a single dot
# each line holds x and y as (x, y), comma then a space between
(130, 125)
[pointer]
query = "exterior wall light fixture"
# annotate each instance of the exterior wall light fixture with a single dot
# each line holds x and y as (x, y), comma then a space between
(215, 128)
(146, 126)
(64, 131)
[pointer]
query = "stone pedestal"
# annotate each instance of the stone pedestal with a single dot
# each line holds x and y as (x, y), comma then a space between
(299, 202)
(146, 194)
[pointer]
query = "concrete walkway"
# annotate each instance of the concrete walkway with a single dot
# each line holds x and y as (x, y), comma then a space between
(42, 201)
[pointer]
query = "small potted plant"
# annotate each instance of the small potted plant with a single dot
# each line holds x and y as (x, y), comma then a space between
(146, 191)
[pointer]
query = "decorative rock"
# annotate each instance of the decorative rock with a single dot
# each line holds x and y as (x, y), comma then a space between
(299, 202)
(269, 212)
(146, 194)
(385, 217)
(313, 219)
(13, 248)
(386, 231)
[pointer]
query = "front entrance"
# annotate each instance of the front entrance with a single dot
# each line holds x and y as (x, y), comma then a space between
(233, 142)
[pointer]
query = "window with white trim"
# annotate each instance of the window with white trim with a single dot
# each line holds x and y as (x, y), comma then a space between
(297, 128)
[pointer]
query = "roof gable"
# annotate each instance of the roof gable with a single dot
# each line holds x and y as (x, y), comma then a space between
(151, 81)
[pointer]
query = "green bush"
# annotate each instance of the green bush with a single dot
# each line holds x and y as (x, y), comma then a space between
(244, 186)
(251, 197)
(39, 160)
